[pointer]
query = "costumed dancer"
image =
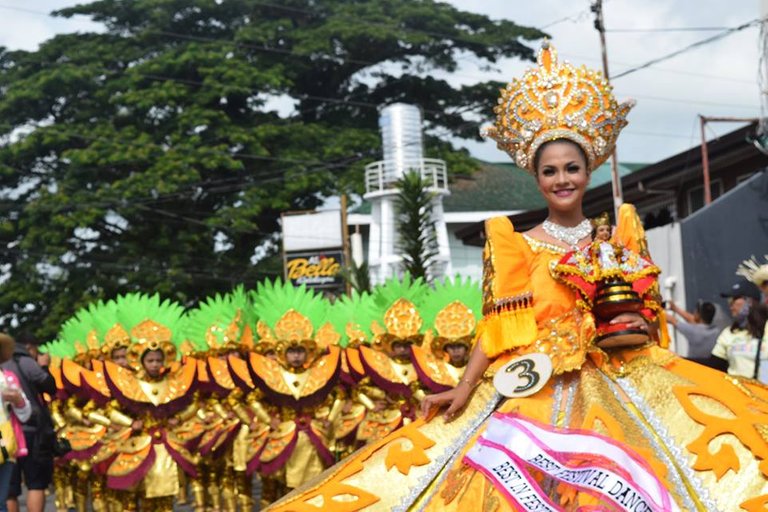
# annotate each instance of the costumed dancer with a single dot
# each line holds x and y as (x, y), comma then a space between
(391, 383)
(451, 311)
(221, 328)
(156, 399)
(621, 428)
(80, 414)
(351, 315)
(299, 386)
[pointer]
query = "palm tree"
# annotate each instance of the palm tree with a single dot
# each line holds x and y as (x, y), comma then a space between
(418, 237)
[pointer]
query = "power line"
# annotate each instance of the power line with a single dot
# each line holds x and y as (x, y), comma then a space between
(667, 29)
(689, 47)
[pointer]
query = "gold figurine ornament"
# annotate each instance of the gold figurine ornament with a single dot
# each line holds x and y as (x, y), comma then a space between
(610, 280)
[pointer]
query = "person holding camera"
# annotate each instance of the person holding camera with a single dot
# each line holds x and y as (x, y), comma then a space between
(699, 329)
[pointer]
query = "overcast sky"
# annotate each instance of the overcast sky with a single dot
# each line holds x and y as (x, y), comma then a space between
(719, 78)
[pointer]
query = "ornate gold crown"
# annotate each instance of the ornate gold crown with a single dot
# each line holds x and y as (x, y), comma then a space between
(230, 335)
(267, 340)
(150, 335)
(558, 101)
(295, 330)
(83, 354)
(455, 323)
(355, 334)
(402, 321)
(115, 338)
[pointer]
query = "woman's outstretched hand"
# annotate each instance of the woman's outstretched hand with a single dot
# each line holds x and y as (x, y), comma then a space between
(456, 398)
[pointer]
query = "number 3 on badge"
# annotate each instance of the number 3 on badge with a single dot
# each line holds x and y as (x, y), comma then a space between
(523, 376)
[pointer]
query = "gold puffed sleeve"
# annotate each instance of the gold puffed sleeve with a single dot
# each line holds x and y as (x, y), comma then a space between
(508, 317)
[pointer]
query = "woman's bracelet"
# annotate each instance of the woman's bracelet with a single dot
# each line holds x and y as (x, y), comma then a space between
(467, 382)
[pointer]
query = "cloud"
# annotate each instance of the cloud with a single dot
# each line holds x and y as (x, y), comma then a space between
(717, 79)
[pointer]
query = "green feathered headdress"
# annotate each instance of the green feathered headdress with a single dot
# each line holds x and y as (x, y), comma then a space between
(351, 316)
(152, 325)
(77, 339)
(222, 323)
(291, 316)
(398, 302)
(451, 310)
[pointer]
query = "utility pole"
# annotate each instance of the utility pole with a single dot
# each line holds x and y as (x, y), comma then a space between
(705, 151)
(618, 196)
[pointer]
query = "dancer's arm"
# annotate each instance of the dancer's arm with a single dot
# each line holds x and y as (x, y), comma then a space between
(457, 397)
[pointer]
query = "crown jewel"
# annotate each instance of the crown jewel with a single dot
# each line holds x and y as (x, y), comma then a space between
(558, 101)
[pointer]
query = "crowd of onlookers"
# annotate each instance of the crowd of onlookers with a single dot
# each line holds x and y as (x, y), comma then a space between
(730, 342)
(27, 434)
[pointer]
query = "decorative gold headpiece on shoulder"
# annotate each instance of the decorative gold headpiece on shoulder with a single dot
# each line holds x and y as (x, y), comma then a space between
(558, 101)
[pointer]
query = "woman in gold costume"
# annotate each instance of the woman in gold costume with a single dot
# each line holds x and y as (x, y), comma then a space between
(584, 427)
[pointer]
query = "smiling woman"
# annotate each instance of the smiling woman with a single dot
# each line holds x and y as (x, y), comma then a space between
(583, 425)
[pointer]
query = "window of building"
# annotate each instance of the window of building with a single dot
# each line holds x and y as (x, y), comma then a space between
(696, 195)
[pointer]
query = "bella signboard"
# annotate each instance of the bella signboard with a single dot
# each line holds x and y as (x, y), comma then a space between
(318, 269)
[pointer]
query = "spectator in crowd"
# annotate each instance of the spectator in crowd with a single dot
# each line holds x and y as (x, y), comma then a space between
(699, 329)
(740, 344)
(36, 468)
(16, 408)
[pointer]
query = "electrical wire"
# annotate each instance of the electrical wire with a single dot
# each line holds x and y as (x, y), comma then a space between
(690, 47)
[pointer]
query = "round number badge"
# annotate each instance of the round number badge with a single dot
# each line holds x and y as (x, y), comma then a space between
(523, 376)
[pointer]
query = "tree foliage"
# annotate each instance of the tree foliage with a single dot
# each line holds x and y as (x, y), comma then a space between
(415, 225)
(157, 155)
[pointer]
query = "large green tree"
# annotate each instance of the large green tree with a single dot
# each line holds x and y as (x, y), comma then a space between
(158, 154)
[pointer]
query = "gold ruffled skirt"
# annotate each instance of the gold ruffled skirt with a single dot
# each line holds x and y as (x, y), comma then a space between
(702, 432)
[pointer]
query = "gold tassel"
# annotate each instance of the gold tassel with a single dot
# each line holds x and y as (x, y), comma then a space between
(507, 329)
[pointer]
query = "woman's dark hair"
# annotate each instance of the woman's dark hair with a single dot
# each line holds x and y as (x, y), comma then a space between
(756, 319)
(537, 156)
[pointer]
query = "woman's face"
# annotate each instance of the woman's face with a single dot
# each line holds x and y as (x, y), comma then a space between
(562, 175)
(735, 304)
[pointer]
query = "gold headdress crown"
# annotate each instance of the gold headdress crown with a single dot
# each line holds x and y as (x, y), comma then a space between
(150, 335)
(455, 323)
(558, 101)
(116, 338)
(402, 321)
(292, 330)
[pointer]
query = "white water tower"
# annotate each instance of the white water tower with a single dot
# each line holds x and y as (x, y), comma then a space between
(402, 138)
